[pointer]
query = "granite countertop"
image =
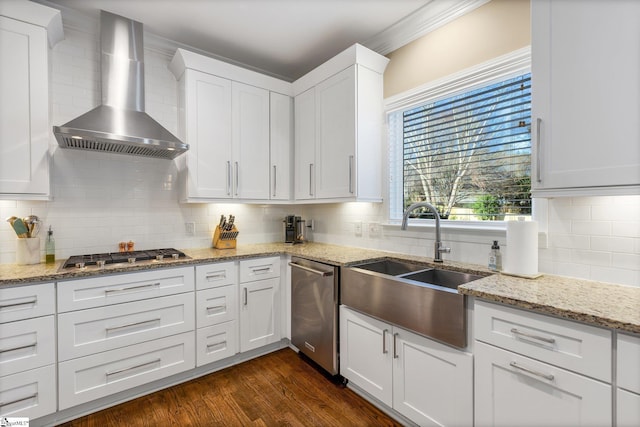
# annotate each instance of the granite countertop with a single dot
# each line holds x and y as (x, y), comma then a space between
(596, 303)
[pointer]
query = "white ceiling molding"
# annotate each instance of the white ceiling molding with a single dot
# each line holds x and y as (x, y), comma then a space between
(428, 18)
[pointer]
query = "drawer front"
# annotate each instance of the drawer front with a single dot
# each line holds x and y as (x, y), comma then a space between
(107, 290)
(92, 377)
(259, 268)
(217, 305)
(574, 346)
(214, 275)
(29, 394)
(25, 302)
(216, 342)
(629, 362)
(27, 344)
(105, 328)
(512, 390)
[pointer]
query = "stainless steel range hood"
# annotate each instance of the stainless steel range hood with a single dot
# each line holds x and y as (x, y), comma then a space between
(120, 124)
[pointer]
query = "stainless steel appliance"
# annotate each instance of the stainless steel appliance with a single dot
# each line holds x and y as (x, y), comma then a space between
(120, 125)
(294, 229)
(314, 311)
(128, 257)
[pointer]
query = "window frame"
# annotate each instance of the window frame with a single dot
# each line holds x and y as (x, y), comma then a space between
(501, 68)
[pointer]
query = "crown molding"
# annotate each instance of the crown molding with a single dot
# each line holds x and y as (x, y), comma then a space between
(431, 16)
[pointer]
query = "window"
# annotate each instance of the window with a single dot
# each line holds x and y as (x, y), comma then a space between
(467, 153)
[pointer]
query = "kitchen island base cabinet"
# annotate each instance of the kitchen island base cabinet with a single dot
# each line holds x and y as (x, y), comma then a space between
(513, 390)
(427, 382)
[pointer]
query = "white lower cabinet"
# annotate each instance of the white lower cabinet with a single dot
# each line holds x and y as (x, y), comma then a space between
(513, 390)
(27, 351)
(216, 312)
(628, 381)
(427, 382)
(259, 302)
(29, 394)
(91, 377)
(536, 370)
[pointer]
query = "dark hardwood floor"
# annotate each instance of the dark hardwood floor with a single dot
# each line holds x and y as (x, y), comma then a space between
(279, 389)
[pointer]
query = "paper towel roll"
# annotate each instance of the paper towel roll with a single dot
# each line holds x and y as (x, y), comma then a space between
(522, 248)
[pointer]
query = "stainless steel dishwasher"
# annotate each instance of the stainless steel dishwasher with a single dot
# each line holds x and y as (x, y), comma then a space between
(314, 311)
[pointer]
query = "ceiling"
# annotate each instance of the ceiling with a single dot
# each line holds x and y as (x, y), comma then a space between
(284, 38)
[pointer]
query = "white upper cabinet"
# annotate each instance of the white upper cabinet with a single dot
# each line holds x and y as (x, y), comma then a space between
(26, 30)
(586, 97)
(338, 127)
(226, 118)
(281, 133)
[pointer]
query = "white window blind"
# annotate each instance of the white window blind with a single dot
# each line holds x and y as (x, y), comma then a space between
(469, 154)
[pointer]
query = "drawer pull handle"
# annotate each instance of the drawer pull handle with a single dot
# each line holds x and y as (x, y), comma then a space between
(216, 276)
(217, 308)
(531, 371)
(312, 270)
(130, 325)
(216, 344)
(384, 341)
(18, 304)
(260, 269)
(132, 288)
(7, 350)
(22, 399)
(131, 368)
(395, 345)
(533, 337)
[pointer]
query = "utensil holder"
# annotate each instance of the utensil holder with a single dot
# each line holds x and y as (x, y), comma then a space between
(28, 251)
(225, 239)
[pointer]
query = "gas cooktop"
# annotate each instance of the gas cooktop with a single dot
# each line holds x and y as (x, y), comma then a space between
(100, 260)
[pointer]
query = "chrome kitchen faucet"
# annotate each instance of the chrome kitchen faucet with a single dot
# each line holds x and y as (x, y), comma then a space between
(438, 249)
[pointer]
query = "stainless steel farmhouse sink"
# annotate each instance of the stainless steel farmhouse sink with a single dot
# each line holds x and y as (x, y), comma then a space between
(413, 296)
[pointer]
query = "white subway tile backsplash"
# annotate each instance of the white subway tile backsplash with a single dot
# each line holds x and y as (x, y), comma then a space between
(591, 228)
(626, 228)
(626, 261)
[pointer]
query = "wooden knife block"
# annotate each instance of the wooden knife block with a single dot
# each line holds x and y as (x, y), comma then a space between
(225, 239)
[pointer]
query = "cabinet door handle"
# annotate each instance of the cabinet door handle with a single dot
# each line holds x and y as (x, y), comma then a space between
(531, 371)
(18, 304)
(131, 325)
(310, 177)
(246, 297)
(384, 341)
(132, 288)
(228, 178)
(538, 146)
(21, 399)
(275, 181)
(533, 337)
(351, 174)
(395, 345)
(237, 178)
(131, 368)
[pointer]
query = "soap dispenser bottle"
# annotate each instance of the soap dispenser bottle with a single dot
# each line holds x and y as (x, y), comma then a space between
(50, 248)
(495, 257)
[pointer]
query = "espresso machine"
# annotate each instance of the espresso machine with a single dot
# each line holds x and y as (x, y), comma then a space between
(294, 229)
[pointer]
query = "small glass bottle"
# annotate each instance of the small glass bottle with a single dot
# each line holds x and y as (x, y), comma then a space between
(495, 257)
(50, 248)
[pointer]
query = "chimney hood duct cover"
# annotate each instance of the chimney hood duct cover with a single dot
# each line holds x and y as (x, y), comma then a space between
(120, 124)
